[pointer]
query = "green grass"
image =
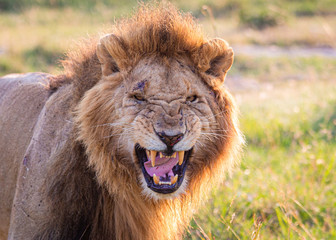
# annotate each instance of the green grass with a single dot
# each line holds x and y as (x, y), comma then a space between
(272, 69)
(303, 7)
(35, 38)
(251, 13)
(285, 186)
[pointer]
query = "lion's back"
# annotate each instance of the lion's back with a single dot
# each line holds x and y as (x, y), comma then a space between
(22, 96)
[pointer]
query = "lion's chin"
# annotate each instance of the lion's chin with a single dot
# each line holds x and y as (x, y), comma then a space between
(162, 174)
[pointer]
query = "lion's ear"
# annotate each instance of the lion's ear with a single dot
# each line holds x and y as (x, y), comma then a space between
(112, 54)
(215, 58)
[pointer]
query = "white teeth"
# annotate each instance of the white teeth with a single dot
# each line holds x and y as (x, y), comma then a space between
(167, 183)
(152, 157)
(174, 179)
(180, 157)
(164, 156)
(171, 182)
(156, 179)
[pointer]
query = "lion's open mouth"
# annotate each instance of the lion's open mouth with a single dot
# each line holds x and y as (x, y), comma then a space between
(163, 174)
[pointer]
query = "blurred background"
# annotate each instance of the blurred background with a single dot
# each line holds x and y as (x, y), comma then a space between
(283, 79)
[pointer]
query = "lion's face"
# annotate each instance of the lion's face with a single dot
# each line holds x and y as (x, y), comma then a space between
(171, 118)
(156, 123)
(157, 120)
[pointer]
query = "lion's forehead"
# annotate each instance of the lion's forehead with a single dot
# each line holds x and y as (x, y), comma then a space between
(171, 79)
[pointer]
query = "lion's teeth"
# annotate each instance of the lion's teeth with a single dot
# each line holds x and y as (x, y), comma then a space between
(174, 180)
(174, 155)
(161, 155)
(156, 179)
(167, 183)
(180, 156)
(153, 156)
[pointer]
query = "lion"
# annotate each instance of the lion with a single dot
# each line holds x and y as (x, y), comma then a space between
(127, 142)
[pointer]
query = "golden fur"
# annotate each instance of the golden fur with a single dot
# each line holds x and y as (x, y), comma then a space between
(94, 188)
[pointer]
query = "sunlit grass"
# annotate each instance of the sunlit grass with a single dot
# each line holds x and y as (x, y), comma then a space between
(285, 186)
(284, 68)
(54, 31)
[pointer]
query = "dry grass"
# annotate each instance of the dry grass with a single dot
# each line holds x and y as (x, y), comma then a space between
(316, 31)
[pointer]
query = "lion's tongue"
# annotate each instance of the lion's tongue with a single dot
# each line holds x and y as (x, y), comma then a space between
(163, 166)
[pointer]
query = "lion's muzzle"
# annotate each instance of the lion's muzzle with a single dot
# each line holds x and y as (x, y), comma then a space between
(170, 141)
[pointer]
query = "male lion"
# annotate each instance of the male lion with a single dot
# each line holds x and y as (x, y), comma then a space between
(127, 143)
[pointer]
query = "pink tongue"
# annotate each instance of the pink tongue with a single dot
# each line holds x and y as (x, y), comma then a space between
(162, 167)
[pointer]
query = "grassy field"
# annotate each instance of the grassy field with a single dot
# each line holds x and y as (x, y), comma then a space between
(285, 187)
(35, 34)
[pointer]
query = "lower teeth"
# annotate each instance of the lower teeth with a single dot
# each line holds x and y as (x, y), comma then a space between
(172, 181)
(167, 183)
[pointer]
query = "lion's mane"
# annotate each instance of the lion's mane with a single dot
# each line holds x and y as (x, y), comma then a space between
(102, 199)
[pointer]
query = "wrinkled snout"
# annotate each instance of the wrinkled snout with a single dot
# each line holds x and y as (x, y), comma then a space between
(169, 126)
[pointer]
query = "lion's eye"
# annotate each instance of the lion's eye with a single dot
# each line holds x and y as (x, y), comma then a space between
(138, 97)
(192, 99)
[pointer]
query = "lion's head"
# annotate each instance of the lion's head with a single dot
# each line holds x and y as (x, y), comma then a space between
(159, 120)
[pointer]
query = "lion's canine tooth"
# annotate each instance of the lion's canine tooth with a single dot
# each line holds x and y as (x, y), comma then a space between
(174, 179)
(148, 153)
(153, 156)
(180, 156)
(174, 155)
(156, 179)
(161, 155)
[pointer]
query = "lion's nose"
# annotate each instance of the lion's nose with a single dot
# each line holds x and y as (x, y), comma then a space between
(170, 141)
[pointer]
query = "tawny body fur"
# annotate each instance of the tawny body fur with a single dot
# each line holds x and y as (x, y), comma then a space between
(68, 163)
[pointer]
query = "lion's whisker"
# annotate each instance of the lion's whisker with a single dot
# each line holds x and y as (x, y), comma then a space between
(212, 134)
(124, 134)
(109, 124)
(125, 130)
(214, 115)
